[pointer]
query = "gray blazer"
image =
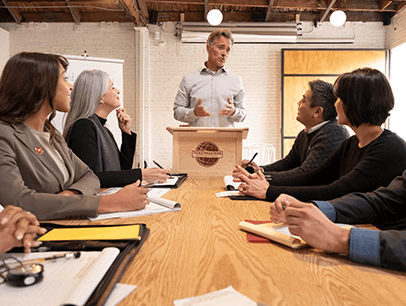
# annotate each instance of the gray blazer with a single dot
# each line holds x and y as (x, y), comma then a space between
(31, 180)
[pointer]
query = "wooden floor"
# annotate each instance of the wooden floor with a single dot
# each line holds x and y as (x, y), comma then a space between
(200, 249)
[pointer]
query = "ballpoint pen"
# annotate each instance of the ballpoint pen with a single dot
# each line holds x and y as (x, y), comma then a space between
(249, 168)
(252, 159)
(150, 184)
(159, 166)
(71, 255)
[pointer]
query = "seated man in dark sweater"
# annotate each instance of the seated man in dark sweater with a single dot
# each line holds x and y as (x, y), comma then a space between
(321, 136)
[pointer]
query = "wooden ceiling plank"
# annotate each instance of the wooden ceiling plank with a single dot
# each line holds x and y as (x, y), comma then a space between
(269, 11)
(142, 4)
(133, 11)
(251, 3)
(400, 6)
(74, 12)
(13, 12)
(383, 4)
(85, 17)
(206, 9)
(329, 7)
(291, 5)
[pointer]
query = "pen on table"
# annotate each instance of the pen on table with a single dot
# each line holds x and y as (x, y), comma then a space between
(72, 255)
(150, 184)
(159, 166)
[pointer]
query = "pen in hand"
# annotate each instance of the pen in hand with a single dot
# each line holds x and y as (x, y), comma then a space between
(159, 166)
(252, 159)
(249, 168)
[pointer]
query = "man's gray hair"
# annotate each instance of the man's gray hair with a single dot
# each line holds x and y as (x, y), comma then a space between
(220, 32)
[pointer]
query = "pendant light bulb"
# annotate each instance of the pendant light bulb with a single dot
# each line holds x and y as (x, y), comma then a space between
(338, 18)
(214, 17)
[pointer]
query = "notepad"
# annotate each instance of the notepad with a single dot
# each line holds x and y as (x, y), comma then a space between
(157, 205)
(65, 282)
(124, 232)
(278, 233)
(230, 184)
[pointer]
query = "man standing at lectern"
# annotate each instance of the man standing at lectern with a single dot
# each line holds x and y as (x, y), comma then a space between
(212, 96)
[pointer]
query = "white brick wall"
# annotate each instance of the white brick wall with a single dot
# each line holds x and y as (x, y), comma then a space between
(259, 65)
(115, 40)
(395, 33)
(4, 47)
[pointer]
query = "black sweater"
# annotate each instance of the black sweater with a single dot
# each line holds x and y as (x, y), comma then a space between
(349, 169)
(309, 151)
(82, 139)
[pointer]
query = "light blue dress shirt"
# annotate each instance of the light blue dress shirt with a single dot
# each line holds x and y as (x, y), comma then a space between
(364, 243)
(214, 88)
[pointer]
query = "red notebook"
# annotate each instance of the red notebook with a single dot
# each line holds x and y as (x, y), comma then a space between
(254, 238)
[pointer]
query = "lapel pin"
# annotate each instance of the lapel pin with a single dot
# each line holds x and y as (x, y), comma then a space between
(38, 150)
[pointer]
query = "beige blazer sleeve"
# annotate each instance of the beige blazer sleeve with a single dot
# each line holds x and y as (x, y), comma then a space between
(32, 180)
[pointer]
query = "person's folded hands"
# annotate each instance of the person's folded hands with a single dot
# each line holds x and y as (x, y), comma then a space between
(254, 185)
(18, 228)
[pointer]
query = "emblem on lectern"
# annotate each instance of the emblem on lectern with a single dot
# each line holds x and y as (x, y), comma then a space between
(207, 154)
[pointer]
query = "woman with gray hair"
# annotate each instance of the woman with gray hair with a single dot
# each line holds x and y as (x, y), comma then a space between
(94, 97)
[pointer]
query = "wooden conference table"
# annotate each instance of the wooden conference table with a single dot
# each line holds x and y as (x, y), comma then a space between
(200, 249)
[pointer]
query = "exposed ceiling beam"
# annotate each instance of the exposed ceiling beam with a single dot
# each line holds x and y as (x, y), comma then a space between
(85, 17)
(251, 3)
(275, 16)
(359, 5)
(144, 10)
(329, 7)
(133, 11)
(74, 12)
(206, 9)
(269, 11)
(383, 4)
(300, 5)
(400, 6)
(16, 14)
(192, 10)
(122, 16)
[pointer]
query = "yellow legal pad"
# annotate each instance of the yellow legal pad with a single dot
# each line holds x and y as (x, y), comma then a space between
(121, 232)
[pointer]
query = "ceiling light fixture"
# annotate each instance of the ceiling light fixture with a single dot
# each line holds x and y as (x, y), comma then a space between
(214, 17)
(338, 18)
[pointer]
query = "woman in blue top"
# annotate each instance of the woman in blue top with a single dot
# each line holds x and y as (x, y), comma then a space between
(94, 97)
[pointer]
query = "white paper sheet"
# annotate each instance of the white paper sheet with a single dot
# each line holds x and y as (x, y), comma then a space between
(157, 205)
(119, 293)
(224, 297)
(227, 193)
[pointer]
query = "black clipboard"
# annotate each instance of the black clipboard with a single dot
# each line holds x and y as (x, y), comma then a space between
(181, 178)
(244, 198)
(128, 250)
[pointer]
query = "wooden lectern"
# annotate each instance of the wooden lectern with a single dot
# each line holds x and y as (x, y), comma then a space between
(206, 151)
